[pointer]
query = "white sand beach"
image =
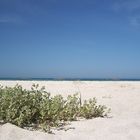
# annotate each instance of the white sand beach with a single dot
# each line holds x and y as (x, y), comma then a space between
(123, 123)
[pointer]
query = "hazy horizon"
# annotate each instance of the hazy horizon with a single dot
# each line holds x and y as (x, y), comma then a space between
(69, 79)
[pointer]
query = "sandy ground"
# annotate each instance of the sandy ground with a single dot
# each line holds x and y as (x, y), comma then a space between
(122, 97)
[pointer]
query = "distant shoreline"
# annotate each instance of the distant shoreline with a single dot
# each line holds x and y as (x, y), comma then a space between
(65, 79)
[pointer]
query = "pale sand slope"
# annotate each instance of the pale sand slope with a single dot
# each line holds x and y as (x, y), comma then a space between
(122, 97)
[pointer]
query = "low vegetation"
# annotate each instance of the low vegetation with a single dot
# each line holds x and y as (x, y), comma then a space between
(37, 109)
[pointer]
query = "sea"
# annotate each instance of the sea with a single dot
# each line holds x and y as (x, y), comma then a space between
(67, 79)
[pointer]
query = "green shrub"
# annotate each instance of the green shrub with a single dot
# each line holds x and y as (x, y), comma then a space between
(90, 109)
(37, 109)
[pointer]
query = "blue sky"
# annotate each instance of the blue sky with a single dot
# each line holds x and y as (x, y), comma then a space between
(70, 38)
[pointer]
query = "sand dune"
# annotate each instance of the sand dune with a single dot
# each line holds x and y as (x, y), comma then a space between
(122, 97)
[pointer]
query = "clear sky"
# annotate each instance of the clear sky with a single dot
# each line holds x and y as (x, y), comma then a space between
(70, 38)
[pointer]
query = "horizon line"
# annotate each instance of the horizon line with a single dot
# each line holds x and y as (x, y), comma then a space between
(67, 79)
